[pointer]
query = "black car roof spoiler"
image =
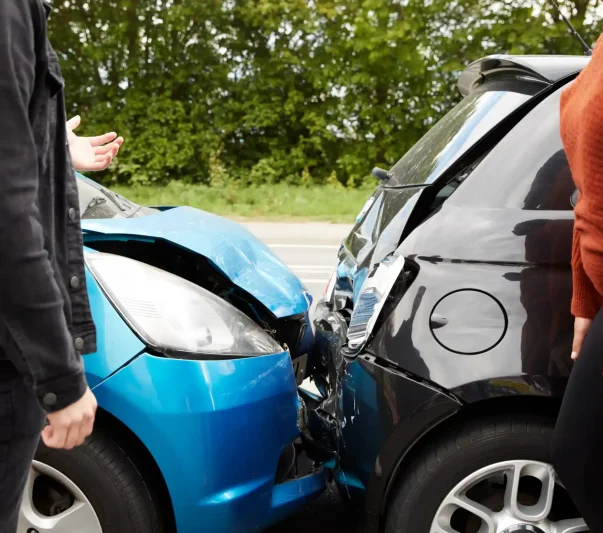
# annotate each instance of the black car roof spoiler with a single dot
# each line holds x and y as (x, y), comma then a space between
(544, 69)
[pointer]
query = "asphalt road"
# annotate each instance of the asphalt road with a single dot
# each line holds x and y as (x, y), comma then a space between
(310, 250)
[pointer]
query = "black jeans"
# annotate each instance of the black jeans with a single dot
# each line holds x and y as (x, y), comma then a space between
(578, 440)
(21, 421)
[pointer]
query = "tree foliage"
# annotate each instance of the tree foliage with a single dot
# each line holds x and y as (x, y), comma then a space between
(262, 91)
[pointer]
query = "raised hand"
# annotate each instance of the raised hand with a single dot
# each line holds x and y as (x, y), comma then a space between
(91, 153)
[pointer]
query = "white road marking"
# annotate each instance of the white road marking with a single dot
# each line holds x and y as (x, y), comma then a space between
(306, 246)
(317, 268)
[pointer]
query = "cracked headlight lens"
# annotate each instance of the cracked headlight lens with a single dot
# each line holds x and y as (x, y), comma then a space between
(175, 316)
(371, 298)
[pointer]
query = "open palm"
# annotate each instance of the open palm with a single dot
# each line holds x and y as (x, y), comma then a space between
(91, 153)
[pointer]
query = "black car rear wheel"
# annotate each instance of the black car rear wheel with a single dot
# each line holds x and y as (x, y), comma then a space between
(486, 476)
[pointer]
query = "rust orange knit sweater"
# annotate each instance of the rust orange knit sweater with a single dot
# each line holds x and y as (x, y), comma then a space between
(582, 134)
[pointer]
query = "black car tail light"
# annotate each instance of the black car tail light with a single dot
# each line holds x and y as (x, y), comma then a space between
(384, 279)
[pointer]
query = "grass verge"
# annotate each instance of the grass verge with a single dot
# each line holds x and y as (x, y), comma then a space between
(264, 202)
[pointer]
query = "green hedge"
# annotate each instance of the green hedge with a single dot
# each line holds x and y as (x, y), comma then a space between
(282, 91)
(279, 201)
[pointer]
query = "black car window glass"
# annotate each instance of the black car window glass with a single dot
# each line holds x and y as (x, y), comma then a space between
(364, 230)
(453, 135)
(527, 170)
(397, 200)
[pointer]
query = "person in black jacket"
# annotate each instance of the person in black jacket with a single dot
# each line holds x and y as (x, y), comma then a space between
(45, 319)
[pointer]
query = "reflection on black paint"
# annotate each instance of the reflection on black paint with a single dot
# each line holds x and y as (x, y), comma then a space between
(545, 335)
(552, 187)
(411, 355)
(387, 388)
(434, 260)
(546, 287)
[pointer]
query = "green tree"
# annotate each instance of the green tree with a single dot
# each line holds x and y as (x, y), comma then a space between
(284, 90)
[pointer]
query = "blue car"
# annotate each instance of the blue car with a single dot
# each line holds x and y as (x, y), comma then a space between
(202, 340)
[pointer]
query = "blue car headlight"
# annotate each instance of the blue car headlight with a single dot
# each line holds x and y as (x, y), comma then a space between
(173, 315)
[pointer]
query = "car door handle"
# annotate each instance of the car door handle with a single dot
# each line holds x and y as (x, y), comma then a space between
(437, 321)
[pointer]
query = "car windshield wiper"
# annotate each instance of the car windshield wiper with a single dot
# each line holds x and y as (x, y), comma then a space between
(135, 208)
(124, 205)
(97, 200)
(115, 199)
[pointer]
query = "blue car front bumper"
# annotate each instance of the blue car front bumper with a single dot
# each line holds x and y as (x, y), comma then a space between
(216, 430)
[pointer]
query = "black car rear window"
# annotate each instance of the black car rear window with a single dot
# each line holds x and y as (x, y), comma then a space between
(453, 135)
(527, 170)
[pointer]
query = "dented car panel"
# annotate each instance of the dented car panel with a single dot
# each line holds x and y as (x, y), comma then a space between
(374, 411)
(243, 258)
(216, 436)
(481, 316)
(223, 430)
(210, 251)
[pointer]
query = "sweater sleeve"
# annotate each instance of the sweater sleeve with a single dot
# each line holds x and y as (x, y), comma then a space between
(582, 134)
(586, 302)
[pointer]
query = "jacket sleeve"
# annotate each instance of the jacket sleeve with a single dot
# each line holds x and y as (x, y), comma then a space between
(31, 305)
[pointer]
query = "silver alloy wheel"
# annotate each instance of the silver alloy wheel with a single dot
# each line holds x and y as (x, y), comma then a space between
(79, 516)
(514, 516)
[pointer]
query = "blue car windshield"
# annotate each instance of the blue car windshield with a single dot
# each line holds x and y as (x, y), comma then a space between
(453, 135)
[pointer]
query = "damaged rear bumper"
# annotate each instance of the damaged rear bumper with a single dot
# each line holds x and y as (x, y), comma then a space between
(323, 397)
(369, 415)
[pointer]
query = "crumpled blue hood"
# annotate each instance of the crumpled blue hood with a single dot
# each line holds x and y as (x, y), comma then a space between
(243, 258)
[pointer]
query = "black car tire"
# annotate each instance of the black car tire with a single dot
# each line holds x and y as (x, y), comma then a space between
(456, 455)
(110, 481)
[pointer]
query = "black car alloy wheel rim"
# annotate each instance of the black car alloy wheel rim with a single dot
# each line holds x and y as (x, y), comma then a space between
(507, 497)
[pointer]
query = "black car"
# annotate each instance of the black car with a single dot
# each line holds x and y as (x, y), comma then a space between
(444, 337)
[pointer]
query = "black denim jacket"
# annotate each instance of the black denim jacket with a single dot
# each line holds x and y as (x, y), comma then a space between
(45, 319)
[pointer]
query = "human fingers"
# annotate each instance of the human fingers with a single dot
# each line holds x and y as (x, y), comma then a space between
(54, 437)
(102, 139)
(74, 122)
(73, 436)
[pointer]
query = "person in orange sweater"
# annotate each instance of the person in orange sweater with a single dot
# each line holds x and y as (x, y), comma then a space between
(577, 450)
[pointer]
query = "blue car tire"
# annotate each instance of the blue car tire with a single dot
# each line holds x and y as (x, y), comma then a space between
(109, 481)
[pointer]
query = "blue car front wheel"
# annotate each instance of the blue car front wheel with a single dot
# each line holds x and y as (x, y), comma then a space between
(94, 488)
